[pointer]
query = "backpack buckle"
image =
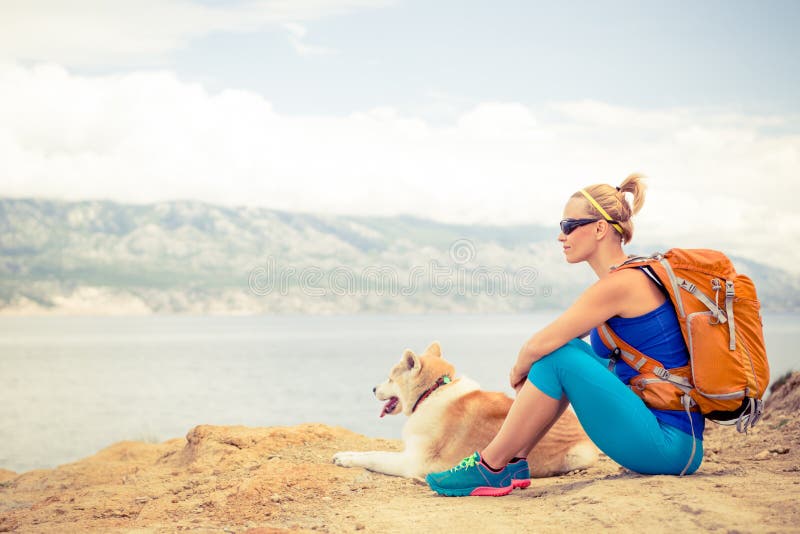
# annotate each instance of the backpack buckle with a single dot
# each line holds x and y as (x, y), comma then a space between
(688, 286)
(662, 373)
(729, 289)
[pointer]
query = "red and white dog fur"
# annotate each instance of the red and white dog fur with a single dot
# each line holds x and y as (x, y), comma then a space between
(450, 418)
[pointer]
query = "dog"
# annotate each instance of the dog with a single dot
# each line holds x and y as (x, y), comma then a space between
(450, 418)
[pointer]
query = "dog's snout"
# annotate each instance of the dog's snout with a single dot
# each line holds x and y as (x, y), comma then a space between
(374, 389)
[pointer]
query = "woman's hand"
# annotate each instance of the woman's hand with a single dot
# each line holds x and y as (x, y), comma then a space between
(606, 298)
(522, 367)
(518, 376)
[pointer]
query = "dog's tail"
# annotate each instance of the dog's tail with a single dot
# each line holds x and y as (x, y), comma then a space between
(580, 456)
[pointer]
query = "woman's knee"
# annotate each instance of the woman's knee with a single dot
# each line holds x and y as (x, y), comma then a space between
(549, 372)
(575, 349)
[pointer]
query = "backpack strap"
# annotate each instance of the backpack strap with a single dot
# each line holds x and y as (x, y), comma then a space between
(729, 295)
(719, 314)
(637, 360)
(647, 263)
(621, 349)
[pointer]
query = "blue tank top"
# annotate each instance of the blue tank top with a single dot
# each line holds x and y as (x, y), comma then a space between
(657, 334)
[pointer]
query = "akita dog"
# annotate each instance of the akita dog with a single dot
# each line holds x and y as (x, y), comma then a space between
(450, 418)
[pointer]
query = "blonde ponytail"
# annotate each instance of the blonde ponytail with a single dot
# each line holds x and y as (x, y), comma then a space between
(613, 201)
(635, 185)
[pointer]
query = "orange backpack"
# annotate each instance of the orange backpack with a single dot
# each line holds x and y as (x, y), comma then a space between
(718, 312)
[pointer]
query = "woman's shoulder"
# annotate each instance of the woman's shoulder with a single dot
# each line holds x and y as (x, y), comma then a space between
(637, 292)
(624, 280)
(618, 286)
(628, 274)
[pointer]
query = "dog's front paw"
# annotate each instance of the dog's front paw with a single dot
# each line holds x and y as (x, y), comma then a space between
(346, 459)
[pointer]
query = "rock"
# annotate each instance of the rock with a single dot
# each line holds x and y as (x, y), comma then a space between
(6, 475)
(299, 491)
(689, 510)
(786, 398)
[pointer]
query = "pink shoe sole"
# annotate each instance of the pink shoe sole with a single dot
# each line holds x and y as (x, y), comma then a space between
(491, 492)
(521, 483)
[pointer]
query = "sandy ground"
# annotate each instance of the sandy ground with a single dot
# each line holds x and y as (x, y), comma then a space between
(264, 480)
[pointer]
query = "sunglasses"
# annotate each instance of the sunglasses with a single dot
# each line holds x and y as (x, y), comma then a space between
(569, 225)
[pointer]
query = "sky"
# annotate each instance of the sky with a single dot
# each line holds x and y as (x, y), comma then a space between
(457, 111)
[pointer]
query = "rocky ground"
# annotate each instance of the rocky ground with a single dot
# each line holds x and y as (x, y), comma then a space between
(264, 480)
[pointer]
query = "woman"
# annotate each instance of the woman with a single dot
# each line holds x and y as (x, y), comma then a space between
(554, 368)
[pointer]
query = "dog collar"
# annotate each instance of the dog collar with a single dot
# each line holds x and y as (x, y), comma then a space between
(443, 380)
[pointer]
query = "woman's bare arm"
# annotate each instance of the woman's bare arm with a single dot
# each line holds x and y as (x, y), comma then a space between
(604, 299)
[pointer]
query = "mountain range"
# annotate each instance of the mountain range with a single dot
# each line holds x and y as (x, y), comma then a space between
(102, 257)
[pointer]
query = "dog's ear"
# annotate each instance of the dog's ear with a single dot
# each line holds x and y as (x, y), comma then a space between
(434, 350)
(411, 360)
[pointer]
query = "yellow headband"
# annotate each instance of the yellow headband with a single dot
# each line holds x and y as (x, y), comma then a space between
(602, 212)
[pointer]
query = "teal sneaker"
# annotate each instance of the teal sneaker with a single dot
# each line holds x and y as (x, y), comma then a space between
(520, 473)
(471, 477)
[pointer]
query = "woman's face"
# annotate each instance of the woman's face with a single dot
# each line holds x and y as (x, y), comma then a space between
(581, 242)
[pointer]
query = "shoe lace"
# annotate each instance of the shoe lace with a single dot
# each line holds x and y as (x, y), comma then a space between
(469, 461)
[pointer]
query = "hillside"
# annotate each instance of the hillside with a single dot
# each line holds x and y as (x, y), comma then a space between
(187, 257)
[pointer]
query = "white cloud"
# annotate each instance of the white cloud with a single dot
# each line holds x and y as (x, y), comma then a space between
(719, 180)
(297, 34)
(296, 30)
(116, 32)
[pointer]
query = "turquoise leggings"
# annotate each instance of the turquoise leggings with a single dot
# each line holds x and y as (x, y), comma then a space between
(615, 419)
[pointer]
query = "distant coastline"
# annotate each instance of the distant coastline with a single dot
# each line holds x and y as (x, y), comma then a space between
(107, 258)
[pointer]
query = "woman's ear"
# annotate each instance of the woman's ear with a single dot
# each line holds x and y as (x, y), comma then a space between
(601, 229)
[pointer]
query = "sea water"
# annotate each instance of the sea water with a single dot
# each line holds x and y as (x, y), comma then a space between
(70, 386)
